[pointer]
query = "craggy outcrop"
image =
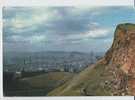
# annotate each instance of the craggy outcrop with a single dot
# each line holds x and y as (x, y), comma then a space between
(121, 57)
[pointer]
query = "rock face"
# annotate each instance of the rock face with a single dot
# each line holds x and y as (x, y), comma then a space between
(122, 51)
(121, 58)
(114, 74)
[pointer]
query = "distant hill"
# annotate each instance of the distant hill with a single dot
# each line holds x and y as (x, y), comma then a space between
(114, 74)
(33, 61)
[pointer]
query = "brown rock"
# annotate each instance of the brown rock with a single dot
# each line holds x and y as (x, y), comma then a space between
(122, 56)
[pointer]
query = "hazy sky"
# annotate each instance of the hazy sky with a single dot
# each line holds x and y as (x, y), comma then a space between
(82, 29)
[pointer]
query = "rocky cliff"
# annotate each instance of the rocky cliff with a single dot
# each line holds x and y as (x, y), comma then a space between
(120, 59)
(114, 74)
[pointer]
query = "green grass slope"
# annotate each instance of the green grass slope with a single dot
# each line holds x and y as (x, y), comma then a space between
(88, 82)
(51, 79)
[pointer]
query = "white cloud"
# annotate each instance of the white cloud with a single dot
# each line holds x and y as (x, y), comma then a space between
(23, 19)
(97, 13)
(32, 39)
(37, 39)
(83, 9)
(95, 33)
(17, 38)
(19, 22)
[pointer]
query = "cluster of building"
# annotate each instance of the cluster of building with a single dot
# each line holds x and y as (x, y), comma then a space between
(74, 64)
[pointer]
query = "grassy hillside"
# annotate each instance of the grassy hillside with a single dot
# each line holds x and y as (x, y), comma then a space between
(89, 82)
(51, 79)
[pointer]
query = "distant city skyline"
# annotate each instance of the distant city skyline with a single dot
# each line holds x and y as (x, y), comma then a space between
(81, 29)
